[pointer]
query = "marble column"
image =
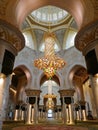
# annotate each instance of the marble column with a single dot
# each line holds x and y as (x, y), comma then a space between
(39, 114)
(82, 110)
(28, 118)
(68, 106)
(16, 115)
(94, 87)
(67, 114)
(63, 109)
(18, 111)
(4, 95)
(77, 112)
(11, 42)
(23, 112)
(59, 114)
(77, 115)
(71, 121)
(86, 41)
(34, 116)
(22, 115)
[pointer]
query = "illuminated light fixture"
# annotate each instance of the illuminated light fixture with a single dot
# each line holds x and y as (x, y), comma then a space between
(50, 96)
(50, 103)
(13, 90)
(96, 75)
(50, 63)
(2, 76)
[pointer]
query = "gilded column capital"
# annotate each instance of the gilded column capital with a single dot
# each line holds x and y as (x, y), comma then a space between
(11, 35)
(81, 102)
(86, 36)
(31, 92)
(68, 92)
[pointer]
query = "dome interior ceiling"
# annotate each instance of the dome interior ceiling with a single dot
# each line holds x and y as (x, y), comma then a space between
(49, 14)
(64, 31)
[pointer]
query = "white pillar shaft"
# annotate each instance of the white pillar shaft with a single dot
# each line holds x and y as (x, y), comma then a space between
(60, 116)
(4, 96)
(67, 115)
(80, 113)
(22, 115)
(44, 115)
(84, 115)
(56, 115)
(32, 115)
(77, 115)
(39, 114)
(64, 111)
(71, 114)
(94, 84)
(16, 115)
(28, 114)
(36, 111)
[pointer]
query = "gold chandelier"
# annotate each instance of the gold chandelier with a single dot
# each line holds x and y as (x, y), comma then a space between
(50, 63)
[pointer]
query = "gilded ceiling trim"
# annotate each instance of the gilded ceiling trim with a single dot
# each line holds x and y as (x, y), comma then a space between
(68, 92)
(86, 36)
(11, 35)
(3, 6)
(30, 92)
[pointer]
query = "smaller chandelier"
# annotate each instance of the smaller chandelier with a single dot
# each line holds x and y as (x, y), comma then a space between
(50, 63)
(50, 96)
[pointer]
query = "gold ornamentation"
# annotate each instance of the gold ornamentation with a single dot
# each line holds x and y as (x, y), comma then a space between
(11, 35)
(3, 6)
(30, 92)
(68, 92)
(50, 63)
(50, 103)
(50, 96)
(86, 36)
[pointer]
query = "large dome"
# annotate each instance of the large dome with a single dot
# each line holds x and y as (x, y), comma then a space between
(49, 14)
(60, 22)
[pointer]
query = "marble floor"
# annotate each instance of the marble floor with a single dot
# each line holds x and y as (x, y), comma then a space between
(51, 125)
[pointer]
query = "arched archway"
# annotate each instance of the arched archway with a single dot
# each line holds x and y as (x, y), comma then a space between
(54, 78)
(21, 79)
(79, 72)
(78, 9)
(77, 76)
(49, 97)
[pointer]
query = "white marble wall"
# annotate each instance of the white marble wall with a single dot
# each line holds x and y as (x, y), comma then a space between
(72, 57)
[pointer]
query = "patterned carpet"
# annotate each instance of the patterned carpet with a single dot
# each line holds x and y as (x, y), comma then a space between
(19, 125)
(50, 128)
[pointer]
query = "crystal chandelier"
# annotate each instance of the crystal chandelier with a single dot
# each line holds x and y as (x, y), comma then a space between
(50, 96)
(50, 63)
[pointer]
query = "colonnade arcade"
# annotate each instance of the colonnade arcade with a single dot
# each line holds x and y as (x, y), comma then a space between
(32, 106)
(31, 97)
(73, 102)
(20, 81)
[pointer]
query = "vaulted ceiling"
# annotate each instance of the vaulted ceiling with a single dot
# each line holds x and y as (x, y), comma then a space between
(18, 13)
(83, 11)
